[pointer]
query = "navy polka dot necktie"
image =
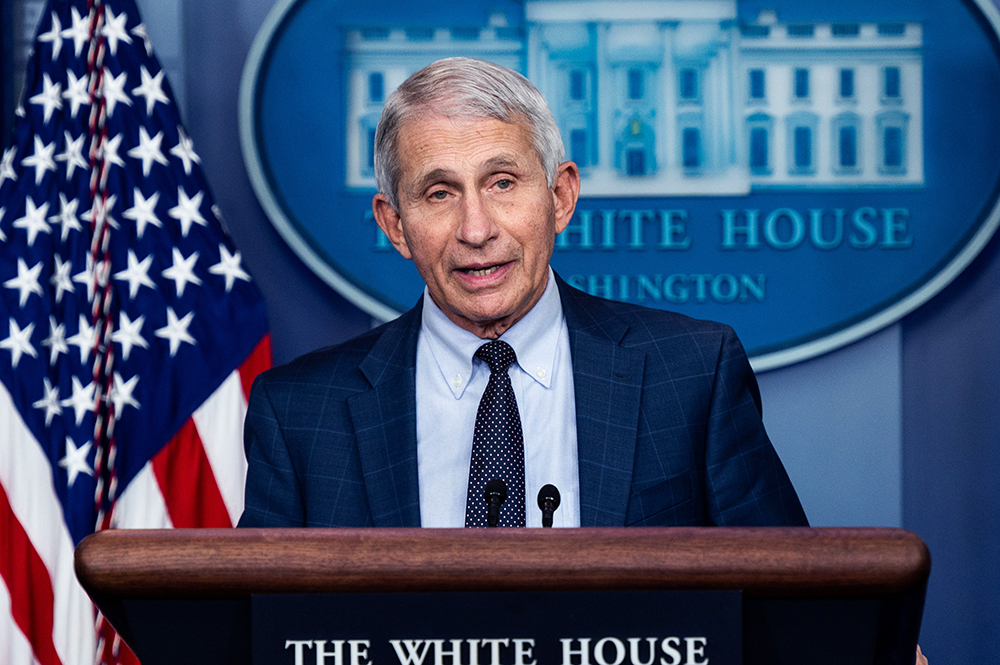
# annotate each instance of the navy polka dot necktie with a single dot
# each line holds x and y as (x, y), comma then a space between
(498, 443)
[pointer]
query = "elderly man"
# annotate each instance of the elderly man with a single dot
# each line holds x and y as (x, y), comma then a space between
(503, 376)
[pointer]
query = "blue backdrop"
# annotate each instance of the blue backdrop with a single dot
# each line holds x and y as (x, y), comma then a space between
(900, 429)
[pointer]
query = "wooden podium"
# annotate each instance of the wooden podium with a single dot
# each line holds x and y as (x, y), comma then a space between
(845, 596)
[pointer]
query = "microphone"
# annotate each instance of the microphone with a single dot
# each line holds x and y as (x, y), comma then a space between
(495, 495)
(548, 501)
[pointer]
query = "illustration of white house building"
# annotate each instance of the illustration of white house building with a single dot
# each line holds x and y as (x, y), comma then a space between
(661, 97)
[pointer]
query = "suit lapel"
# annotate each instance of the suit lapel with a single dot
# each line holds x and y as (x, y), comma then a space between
(385, 424)
(607, 380)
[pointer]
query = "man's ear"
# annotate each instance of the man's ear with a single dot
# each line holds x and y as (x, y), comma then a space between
(565, 192)
(391, 224)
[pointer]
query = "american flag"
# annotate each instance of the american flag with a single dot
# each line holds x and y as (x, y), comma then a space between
(129, 330)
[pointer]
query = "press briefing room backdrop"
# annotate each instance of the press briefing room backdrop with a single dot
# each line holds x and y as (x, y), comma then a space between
(821, 175)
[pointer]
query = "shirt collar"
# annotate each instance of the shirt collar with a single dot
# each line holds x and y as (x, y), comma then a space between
(534, 339)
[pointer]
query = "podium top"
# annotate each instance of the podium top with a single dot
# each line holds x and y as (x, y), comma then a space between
(763, 562)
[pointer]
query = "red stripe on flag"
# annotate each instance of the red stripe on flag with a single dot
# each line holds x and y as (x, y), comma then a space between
(29, 584)
(187, 483)
(258, 360)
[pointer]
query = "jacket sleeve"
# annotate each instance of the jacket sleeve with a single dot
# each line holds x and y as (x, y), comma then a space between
(273, 496)
(746, 484)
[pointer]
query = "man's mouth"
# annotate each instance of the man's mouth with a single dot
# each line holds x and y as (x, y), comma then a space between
(480, 272)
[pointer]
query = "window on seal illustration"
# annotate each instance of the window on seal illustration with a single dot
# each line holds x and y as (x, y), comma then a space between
(578, 147)
(691, 147)
(759, 131)
(577, 85)
(636, 84)
(891, 89)
(846, 136)
(847, 84)
(688, 88)
(891, 130)
(800, 83)
(376, 87)
(802, 143)
(758, 90)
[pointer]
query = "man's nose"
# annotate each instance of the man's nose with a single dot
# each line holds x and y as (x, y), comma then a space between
(476, 226)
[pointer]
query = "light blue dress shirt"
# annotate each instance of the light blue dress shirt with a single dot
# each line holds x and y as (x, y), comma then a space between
(450, 384)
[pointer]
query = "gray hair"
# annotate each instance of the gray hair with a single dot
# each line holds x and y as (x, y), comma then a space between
(464, 88)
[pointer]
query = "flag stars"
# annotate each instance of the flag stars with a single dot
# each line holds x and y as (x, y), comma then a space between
(54, 37)
(182, 271)
(41, 159)
(50, 98)
(184, 151)
(60, 279)
(18, 342)
(114, 29)
(93, 277)
(72, 154)
(151, 89)
(140, 32)
(82, 399)
(67, 216)
(121, 394)
(50, 402)
(34, 220)
(75, 460)
(148, 151)
(137, 276)
(76, 92)
(143, 212)
(7, 165)
(187, 211)
(129, 334)
(104, 206)
(176, 331)
(56, 341)
(114, 91)
(85, 339)
(109, 151)
(79, 32)
(26, 281)
(229, 267)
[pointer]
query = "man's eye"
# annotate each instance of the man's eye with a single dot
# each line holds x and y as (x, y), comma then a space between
(439, 195)
(504, 184)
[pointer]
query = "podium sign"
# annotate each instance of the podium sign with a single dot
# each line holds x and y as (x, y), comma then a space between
(534, 628)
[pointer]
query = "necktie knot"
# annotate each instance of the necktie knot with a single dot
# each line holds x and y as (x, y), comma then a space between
(499, 355)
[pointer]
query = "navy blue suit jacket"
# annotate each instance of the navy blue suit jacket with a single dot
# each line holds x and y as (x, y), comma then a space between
(668, 427)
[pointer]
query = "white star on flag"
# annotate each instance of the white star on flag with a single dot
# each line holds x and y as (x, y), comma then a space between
(109, 151)
(187, 210)
(84, 339)
(114, 30)
(79, 32)
(129, 334)
(76, 92)
(7, 165)
(87, 277)
(114, 91)
(60, 279)
(108, 207)
(82, 399)
(72, 154)
(137, 275)
(184, 151)
(34, 220)
(121, 394)
(140, 32)
(56, 341)
(53, 36)
(41, 159)
(18, 342)
(151, 88)
(148, 151)
(67, 216)
(26, 281)
(229, 267)
(176, 331)
(75, 460)
(50, 98)
(182, 271)
(143, 212)
(49, 402)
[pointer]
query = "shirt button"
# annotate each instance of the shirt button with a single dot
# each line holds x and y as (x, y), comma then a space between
(540, 372)
(458, 381)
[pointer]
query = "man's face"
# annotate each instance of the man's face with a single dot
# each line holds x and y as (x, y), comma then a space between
(477, 217)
